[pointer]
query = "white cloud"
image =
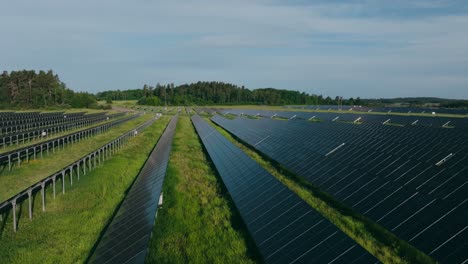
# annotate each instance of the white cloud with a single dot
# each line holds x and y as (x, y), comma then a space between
(339, 48)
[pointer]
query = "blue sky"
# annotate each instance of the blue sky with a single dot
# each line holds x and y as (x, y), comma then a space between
(349, 48)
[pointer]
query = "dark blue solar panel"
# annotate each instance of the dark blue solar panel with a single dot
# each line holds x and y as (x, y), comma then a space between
(411, 180)
(126, 238)
(284, 227)
(435, 121)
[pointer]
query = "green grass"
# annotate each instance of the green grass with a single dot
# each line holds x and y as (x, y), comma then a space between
(280, 118)
(73, 222)
(394, 124)
(349, 122)
(28, 173)
(315, 120)
(124, 103)
(378, 241)
(229, 116)
(198, 222)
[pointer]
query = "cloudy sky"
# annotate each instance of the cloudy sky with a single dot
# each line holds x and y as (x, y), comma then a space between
(349, 48)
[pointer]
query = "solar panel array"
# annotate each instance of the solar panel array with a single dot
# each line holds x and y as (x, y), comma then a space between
(32, 130)
(435, 121)
(395, 109)
(30, 151)
(22, 123)
(284, 227)
(126, 238)
(411, 180)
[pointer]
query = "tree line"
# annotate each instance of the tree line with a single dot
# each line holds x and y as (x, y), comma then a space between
(30, 89)
(43, 89)
(218, 93)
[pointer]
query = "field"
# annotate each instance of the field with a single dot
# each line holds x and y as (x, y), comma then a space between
(209, 212)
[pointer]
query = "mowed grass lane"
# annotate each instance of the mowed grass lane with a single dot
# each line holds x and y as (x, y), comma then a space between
(198, 222)
(72, 223)
(28, 173)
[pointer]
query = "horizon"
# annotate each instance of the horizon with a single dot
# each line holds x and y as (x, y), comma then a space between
(370, 49)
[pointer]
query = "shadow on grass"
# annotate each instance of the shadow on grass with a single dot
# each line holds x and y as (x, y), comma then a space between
(3, 222)
(20, 215)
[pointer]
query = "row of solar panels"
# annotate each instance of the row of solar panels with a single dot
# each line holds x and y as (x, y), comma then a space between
(393, 109)
(126, 238)
(30, 151)
(13, 115)
(434, 121)
(411, 180)
(25, 136)
(284, 227)
(37, 123)
(38, 117)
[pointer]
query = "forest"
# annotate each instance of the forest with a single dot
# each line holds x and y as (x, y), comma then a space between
(29, 89)
(218, 93)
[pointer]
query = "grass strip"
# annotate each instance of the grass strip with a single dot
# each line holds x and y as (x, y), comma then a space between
(198, 222)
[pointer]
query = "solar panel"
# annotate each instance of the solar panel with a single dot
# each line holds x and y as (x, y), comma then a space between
(411, 180)
(435, 121)
(126, 238)
(284, 227)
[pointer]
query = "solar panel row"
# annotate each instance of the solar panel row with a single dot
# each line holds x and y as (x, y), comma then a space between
(41, 121)
(26, 135)
(127, 236)
(284, 227)
(411, 180)
(7, 118)
(30, 151)
(435, 121)
(458, 111)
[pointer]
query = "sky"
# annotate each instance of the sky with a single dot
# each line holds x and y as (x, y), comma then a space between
(371, 49)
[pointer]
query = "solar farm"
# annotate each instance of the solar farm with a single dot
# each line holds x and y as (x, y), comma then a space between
(240, 184)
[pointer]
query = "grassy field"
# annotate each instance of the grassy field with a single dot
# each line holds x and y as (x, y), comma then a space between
(198, 222)
(123, 103)
(374, 238)
(72, 223)
(30, 172)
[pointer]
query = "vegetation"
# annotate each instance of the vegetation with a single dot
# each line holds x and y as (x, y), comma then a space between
(118, 95)
(378, 241)
(72, 223)
(208, 93)
(27, 174)
(30, 89)
(198, 222)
